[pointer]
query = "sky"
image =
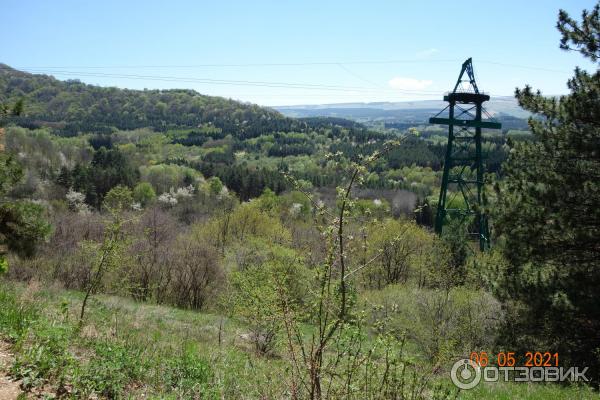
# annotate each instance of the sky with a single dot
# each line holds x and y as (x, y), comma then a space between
(286, 52)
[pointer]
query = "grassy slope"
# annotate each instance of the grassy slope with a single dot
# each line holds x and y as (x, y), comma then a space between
(128, 349)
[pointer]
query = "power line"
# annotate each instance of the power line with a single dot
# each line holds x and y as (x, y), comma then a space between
(286, 85)
(297, 64)
(375, 89)
(359, 77)
(235, 65)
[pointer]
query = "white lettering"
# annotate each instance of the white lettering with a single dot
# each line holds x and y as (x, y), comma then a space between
(493, 377)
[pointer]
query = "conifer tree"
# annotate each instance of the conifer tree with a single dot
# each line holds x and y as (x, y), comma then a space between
(548, 214)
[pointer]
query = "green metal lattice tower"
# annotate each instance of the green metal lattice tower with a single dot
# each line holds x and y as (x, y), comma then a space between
(463, 166)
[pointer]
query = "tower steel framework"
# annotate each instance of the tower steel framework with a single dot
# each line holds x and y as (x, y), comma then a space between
(463, 166)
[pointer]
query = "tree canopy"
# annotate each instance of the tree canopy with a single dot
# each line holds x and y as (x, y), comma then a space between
(548, 213)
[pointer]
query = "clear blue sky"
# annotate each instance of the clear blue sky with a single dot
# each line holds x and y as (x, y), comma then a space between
(352, 47)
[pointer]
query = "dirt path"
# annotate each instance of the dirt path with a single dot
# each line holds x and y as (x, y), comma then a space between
(9, 390)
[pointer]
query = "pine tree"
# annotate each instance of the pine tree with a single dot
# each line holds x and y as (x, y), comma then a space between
(548, 214)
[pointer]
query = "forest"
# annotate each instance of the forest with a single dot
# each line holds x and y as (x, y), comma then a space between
(168, 244)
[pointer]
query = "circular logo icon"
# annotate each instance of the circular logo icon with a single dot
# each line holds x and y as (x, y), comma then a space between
(465, 375)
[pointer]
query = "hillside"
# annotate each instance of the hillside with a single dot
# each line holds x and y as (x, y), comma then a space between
(74, 107)
(130, 349)
(246, 146)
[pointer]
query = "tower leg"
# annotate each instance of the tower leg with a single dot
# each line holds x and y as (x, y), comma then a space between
(441, 208)
(479, 163)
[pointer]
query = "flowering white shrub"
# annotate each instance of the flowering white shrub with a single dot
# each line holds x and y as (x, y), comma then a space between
(167, 198)
(224, 192)
(295, 209)
(76, 201)
(175, 195)
(183, 192)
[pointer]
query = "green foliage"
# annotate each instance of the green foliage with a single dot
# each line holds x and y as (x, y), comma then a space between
(164, 177)
(111, 367)
(43, 355)
(44, 154)
(245, 146)
(295, 206)
(144, 194)
(400, 251)
(376, 208)
(189, 374)
(23, 226)
(441, 322)
(48, 355)
(6, 110)
(135, 350)
(548, 214)
(102, 258)
(89, 108)
(119, 198)
(11, 172)
(15, 317)
(413, 151)
(40, 346)
(268, 201)
(215, 185)
(456, 238)
(246, 182)
(302, 311)
(3, 264)
(108, 169)
(242, 223)
(259, 288)
(581, 37)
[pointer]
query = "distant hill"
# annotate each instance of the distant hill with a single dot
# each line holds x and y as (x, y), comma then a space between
(72, 107)
(402, 112)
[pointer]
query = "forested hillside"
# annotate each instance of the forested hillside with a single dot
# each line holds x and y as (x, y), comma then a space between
(74, 107)
(246, 146)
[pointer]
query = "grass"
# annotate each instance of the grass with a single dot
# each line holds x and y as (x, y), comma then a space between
(132, 350)
(129, 350)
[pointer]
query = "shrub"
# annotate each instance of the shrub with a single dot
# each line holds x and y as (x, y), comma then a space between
(118, 198)
(257, 292)
(144, 194)
(195, 273)
(443, 322)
